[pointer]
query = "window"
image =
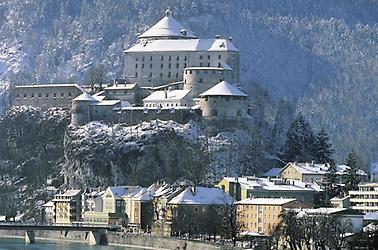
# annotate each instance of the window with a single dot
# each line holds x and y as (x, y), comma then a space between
(47, 95)
(200, 80)
(169, 74)
(142, 65)
(150, 65)
(201, 57)
(143, 58)
(185, 58)
(54, 95)
(169, 58)
(177, 65)
(177, 58)
(61, 94)
(18, 95)
(184, 65)
(162, 65)
(150, 58)
(32, 95)
(136, 66)
(176, 75)
(208, 65)
(161, 75)
(169, 65)
(208, 57)
(39, 95)
(150, 74)
(25, 95)
(219, 56)
(162, 58)
(219, 65)
(201, 64)
(69, 94)
(137, 59)
(190, 72)
(136, 74)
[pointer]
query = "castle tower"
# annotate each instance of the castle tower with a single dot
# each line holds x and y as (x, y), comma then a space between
(80, 114)
(224, 101)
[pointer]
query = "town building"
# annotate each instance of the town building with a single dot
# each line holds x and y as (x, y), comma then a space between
(45, 96)
(348, 217)
(245, 187)
(67, 207)
(310, 172)
(365, 199)
(260, 216)
(48, 212)
(202, 208)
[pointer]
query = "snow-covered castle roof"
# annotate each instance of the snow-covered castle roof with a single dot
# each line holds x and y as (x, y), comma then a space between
(168, 27)
(223, 89)
(85, 97)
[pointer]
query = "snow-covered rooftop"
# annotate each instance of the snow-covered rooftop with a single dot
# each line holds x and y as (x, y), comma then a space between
(202, 196)
(50, 85)
(107, 103)
(265, 201)
(122, 87)
(309, 168)
(223, 88)
(184, 45)
(85, 97)
(168, 27)
(173, 95)
(252, 183)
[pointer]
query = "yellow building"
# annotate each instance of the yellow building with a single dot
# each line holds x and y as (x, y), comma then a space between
(261, 215)
(310, 172)
(250, 186)
(67, 207)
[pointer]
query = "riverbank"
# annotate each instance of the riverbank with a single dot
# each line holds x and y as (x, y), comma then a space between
(118, 239)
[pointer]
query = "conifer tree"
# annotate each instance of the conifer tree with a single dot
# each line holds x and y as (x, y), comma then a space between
(330, 182)
(301, 142)
(324, 147)
(352, 179)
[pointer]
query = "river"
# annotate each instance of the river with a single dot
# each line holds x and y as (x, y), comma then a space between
(18, 244)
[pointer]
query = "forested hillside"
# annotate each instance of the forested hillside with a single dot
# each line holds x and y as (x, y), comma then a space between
(318, 56)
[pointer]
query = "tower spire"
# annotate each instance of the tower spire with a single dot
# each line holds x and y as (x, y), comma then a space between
(168, 12)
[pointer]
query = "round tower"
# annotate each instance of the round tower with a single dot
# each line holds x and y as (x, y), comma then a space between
(200, 79)
(80, 113)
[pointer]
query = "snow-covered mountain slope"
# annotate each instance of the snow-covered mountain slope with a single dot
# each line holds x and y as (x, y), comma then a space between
(319, 55)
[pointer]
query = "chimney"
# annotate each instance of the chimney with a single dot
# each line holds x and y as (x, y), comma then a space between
(193, 189)
(165, 93)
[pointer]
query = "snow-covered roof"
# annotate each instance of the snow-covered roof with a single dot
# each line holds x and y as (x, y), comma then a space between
(50, 85)
(107, 103)
(252, 183)
(202, 196)
(48, 204)
(206, 68)
(325, 210)
(168, 27)
(321, 169)
(122, 87)
(173, 95)
(223, 88)
(85, 97)
(184, 45)
(265, 201)
(273, 172)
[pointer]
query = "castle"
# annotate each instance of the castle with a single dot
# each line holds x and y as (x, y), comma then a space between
(169, 74)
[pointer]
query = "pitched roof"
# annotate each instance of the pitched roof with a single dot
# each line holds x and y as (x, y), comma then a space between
(167, 27)
(273, 172)
(202, 196)
(85, 97)
(223, 88)
(321, 169)
(220, 44)
(173, 95)
(265, 201)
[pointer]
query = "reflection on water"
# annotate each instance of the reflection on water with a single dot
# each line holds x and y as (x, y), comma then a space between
(18, 244)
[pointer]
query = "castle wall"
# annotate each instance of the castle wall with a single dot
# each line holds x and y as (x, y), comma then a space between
(151, 69)
(44, 97)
